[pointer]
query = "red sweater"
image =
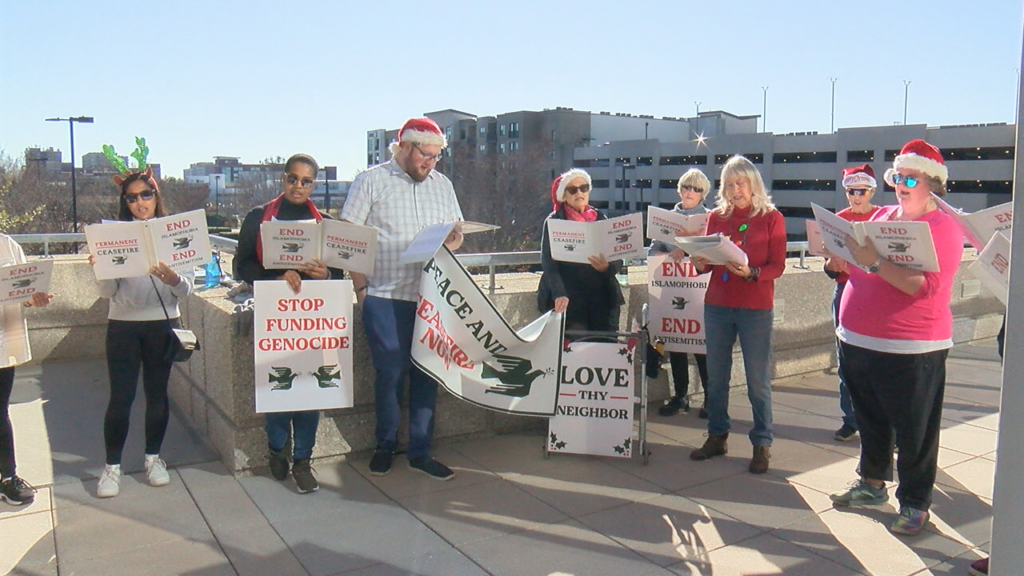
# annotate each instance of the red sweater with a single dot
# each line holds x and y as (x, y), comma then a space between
(851, 216)
(764, 242)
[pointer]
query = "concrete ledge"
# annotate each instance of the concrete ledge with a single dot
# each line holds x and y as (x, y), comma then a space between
(215, 389)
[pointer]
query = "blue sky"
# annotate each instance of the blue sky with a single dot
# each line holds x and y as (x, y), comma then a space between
(258, 79)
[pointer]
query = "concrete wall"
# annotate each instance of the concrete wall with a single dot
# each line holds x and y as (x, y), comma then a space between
(215, 388)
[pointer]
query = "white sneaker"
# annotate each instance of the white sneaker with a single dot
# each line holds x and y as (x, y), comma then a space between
(156, 471)
(110, 482)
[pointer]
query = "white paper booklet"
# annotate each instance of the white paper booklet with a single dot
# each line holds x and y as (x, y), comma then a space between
(907, 244)
(992, 267)
(429, 239)
(665, 225)
(616, 238)
(815, 243)
(287, 244)
(716, 248)
(18, 282)
(130, 249)
(982, 225)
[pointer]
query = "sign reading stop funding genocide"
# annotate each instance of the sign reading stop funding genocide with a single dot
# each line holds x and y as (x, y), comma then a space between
(303, 345)
(676, 302)
(595, 400)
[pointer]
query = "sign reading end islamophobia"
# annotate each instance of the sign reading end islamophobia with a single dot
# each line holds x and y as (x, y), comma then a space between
(303, 345)
(676, 300)
(462, 341)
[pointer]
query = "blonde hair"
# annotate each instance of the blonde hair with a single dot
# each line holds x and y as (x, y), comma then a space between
(740, 167)
(694, 177)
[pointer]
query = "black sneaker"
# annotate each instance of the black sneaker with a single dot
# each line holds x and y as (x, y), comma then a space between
(845, 434)
(432, 468)
(674, 405)
(380, 464)
(303, 474)
(278, 465)
(16, 491)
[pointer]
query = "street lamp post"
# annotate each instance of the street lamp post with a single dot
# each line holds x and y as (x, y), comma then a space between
(833, 81)
(74, 191)
(764, 109)
(697, 104)
(624, 166)
(906, 95)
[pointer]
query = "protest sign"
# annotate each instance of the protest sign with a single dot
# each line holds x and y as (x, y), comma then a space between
(676, 303)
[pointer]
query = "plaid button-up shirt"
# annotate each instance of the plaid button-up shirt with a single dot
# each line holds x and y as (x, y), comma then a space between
(386, 198)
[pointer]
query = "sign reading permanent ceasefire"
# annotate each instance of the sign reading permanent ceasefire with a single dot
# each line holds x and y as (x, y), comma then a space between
(288, 243)
(595, 400)
(130, 249)
(303, 345)
(462, 341)
(676, 302)
(615, 238)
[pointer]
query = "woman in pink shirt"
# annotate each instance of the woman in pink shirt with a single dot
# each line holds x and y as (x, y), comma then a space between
(895, 330)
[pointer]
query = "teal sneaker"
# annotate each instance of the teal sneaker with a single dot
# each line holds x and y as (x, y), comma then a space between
(910, 521)
(860, 493)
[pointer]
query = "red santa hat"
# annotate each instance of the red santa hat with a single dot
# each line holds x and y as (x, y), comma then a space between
(420, 131)
(859, 177)
(558, 186)
(920, 155)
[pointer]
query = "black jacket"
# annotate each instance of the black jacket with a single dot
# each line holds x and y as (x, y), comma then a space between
(577, 281)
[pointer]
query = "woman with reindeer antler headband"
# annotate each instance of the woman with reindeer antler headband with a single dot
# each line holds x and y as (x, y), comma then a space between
(137, 334)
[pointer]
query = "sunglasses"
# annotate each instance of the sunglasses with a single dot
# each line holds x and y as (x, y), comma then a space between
(688, 188)
(133, 198)
(582, 189)
(427, 157)
(292, 179)
(857, 191)
(908, 181)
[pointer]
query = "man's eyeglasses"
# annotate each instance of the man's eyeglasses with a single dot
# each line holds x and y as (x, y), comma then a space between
(857, 191)
(427, 157)
(292, 180)
(908, 181)
(582, 189)
(688, 188)
(133, 198)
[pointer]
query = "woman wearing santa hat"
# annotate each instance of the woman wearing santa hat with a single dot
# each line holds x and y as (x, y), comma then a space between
(589, 294)
(859, 183)
(895, 330)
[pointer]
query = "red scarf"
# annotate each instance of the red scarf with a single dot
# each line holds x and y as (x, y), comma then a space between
(271, 211)
(588, 214)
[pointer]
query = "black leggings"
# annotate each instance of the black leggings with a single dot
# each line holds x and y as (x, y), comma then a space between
(6, 431)
(129, 345)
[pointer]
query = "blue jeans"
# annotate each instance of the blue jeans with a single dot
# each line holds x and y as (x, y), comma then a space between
(845, 403)
(389, 326)
(754, 327)
(304, 423)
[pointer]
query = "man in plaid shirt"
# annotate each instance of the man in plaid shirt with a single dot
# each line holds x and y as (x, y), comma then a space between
(399, 198)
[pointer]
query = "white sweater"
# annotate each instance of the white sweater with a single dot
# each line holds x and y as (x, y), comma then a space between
(135, 299)
(14, 347)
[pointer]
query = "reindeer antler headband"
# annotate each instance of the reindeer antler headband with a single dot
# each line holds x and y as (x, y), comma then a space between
(140, 155)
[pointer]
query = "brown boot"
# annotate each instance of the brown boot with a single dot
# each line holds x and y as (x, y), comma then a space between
(715, 445)
(759, 463)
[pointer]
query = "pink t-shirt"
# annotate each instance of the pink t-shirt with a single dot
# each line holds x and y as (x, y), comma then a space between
(876, 315)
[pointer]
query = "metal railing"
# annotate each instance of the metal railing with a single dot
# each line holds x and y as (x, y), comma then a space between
(491, 260)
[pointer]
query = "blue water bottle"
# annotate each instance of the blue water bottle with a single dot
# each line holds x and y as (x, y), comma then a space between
(213, 271)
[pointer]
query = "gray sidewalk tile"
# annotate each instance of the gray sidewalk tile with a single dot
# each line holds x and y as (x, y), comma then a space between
(27, 544)
(448, 563)
(764, 554)
(565, 548)
(257, 550)
(763, 501)
(280, 501)
(508, 453)
(200, 556)
(403, 481)
(669, 528)
(480, 511)
(670, 467)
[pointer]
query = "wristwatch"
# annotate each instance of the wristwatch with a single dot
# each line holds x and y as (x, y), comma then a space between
(873, 269)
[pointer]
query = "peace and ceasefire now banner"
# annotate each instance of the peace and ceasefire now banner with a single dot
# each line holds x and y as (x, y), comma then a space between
(462, 341)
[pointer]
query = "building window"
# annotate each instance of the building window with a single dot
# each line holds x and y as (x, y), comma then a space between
(621, 183)
(513, 130)
(621, 161)
(890, 155)
(644, 161)
(483, 130)
(988, 153)
(797, 212)
(599, 203)
(643, 183)
(501, 129)
(979, 186)
(815, 185)
(553, 132)
(590, 163)
(668, 184)
(683, 160)
(600, 183)
(860, 156)
(483, 147)
(754, 157)
(513, 146)
(552, 155)
(803, 157)
(501, 148)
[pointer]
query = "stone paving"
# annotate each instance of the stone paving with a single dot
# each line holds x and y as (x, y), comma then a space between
(510, 511)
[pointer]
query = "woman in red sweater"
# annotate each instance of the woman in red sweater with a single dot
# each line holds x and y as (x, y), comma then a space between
(739, 303)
